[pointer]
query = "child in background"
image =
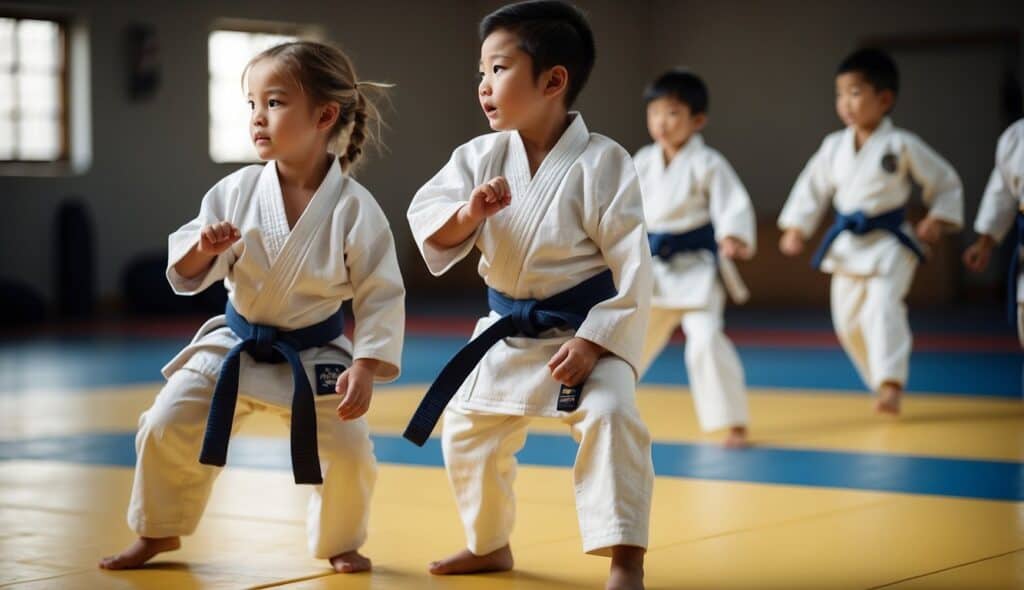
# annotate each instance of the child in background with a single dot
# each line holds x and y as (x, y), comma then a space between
(865, 172)
(699, 218)
(1000, 210)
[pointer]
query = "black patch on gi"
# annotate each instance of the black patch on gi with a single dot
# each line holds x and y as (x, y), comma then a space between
(327, 378)
(569, 398)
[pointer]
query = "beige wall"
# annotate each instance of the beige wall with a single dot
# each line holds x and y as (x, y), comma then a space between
(770, 65)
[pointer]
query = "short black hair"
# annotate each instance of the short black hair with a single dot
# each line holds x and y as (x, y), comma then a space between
(876, 66)
(682, 85)
(552, 33)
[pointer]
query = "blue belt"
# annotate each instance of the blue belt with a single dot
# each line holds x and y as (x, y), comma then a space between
(1011, 282)
(528, 317)
(665, 246)
(267, 344)
(860, 224)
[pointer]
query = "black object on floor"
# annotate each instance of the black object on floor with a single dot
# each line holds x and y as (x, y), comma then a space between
(20, 305)
(75, 278)
(146, 291)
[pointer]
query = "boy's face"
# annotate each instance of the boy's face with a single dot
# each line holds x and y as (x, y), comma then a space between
(670, 122)
(858, 103)
(282, 124)
(509, 94)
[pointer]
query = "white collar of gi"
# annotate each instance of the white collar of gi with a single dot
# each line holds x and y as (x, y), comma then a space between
(884, 126)
(568, 147)
(692, 145)
(576, 132)
(276, 230)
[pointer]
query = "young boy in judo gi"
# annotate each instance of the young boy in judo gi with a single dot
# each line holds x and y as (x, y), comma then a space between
(557, 216)
(292, 239)
(865, 172)
(1000, 211)
(699, 218)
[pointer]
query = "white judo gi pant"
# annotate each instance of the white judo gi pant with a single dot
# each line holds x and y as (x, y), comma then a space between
(717, 381)
(870, 318)
(171, 487)
(613, 473)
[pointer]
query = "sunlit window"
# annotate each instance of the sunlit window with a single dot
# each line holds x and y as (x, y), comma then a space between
(229, 113)
(33, 83)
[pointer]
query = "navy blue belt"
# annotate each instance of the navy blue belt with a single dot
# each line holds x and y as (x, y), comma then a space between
(860, 224)
(267, 344)
(1011, 281)
(528, 317)
(665, 246)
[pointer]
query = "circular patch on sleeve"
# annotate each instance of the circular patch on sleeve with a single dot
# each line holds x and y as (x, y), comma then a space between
(889, 162)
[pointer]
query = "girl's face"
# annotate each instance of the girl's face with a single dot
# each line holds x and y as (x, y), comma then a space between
(283, 124)
(858, 104)
(670, 122)
(509, 94)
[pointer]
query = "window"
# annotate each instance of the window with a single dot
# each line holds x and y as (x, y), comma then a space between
(34, 82)
(229, 51)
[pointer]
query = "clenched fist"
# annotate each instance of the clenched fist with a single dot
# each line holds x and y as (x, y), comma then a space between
(574, 361)
(792, 242)
(488, 198)
(979, 253)
(734, 248)
(217, 237)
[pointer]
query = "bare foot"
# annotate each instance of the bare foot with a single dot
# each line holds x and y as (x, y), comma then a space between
(139, 552)
(350, 562)
(737, 438)
(465, 562)
(627, 571)
(889, 395)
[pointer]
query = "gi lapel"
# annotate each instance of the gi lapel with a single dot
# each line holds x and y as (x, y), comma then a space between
(294, 244)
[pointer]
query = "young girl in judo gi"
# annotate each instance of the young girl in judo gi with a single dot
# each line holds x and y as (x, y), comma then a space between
(292, 239)
(699, 218)
(999, 213)
(865, 172)
(557, 216)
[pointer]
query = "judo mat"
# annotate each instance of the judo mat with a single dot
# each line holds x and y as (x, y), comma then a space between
(829, 496)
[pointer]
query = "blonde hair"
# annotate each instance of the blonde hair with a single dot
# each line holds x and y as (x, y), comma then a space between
(325, 74)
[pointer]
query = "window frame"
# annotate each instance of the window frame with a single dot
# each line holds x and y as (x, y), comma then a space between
(64, 26)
